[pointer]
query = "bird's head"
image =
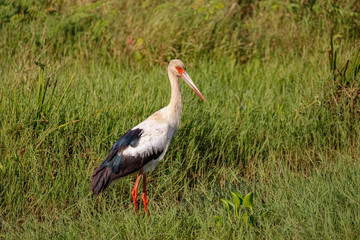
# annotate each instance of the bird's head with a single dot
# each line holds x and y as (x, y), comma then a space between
(178, 68)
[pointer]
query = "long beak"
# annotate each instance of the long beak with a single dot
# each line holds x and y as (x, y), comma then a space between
(188, 80)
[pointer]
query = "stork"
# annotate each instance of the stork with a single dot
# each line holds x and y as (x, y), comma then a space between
(144, 146)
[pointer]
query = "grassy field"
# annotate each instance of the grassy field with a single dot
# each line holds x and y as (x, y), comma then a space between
(281, 118)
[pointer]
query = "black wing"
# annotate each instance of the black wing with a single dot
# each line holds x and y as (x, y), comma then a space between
(117, 165)
(114, 159)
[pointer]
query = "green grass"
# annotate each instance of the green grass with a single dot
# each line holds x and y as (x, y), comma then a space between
(274, 123)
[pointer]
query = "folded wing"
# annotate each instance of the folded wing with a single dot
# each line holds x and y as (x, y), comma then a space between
(130, 153)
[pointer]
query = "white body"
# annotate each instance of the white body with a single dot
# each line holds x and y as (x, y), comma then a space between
(158, 130)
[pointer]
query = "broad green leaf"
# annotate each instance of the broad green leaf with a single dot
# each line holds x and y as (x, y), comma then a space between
(237, 199)
(233, 192)
(248, 200)
(227, 203)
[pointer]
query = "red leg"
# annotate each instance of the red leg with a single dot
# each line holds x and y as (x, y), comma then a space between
(144, 198)
(134, 191)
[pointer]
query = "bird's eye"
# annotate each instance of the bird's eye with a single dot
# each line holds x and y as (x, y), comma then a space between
(179, 69)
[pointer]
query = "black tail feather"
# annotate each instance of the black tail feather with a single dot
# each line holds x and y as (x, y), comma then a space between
(101, 180)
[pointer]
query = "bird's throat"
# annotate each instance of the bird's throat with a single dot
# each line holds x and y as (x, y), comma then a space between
(175, 105)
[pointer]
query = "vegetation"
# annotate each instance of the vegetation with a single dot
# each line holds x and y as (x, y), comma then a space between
(281, 121)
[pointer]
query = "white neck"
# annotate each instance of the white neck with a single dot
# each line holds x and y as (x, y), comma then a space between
(174, 108)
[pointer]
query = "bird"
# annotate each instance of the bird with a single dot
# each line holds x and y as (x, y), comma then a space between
(142, 148)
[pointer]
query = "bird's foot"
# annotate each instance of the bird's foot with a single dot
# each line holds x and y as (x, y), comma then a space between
(145, 201)
(134, 192)
(134, 196)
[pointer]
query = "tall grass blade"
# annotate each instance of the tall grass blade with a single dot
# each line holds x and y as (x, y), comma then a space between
(66, 89)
